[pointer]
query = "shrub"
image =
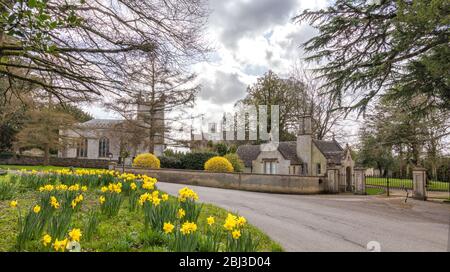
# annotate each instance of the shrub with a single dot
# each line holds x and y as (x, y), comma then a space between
(146, 160)
(196, 160)
(218, 164)
(222, 149)
(170, 162)
(238, 164)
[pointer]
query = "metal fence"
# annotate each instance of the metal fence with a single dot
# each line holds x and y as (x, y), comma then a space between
(439, 188)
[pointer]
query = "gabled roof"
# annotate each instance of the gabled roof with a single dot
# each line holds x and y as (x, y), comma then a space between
(100, 123)
(332, 151)
(248, 153)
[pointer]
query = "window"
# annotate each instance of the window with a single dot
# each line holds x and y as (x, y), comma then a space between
(103, 147)
(82, 145)
(318, 167)
(270, 167)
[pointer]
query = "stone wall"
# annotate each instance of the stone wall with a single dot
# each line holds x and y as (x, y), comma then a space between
(64, 162)
(287, 184)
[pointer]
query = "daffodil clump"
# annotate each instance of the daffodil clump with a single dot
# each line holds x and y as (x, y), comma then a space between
(157, 209)
(111, 199)
(187, 199)
(70, 242)
(185, 239)
(238, 238)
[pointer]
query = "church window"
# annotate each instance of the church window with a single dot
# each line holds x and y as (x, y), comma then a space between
(103, 147)
(82, 145)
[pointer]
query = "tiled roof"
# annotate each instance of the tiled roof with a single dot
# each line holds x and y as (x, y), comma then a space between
(331, 150)
(289, 151)
(248, 153)
(100, 123)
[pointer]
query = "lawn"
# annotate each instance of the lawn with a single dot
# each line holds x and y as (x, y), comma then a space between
(375, 191)
(123, 232)
(405, 183)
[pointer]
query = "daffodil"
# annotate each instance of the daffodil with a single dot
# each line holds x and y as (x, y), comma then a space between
(104, 189)
(13, 203)
(241, 221)
(165, 197)
(181, 213)
(102, 199)
(188, 228)
(84, 188)
(37, 209)
(210, 220)
(75, 235)
(46, 240)
(168, 228)
(236, 234)
(133, 186)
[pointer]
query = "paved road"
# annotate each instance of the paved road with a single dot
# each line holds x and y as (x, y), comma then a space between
(336, 222)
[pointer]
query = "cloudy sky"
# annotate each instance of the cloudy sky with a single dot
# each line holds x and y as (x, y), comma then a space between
(249, 37)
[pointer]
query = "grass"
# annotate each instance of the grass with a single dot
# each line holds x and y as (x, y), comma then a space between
(121, 233)
(375, 191)
(407, 183)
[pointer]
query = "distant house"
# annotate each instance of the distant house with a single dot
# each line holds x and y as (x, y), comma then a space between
(104, 138)
(306, 156)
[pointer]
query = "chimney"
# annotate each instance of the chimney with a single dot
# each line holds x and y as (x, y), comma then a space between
(304, 144)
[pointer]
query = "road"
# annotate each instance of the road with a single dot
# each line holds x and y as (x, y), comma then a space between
(336, 222)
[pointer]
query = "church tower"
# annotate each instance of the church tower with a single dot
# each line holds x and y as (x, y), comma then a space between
(304, 144)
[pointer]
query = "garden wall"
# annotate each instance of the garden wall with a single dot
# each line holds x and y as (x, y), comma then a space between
(64, 162)
(287, 184)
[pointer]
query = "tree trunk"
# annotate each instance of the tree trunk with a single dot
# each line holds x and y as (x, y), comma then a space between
(47, 155)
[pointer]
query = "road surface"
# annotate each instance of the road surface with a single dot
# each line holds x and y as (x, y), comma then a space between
(336, 222)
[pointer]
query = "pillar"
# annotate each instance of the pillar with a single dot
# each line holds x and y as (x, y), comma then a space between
(419, 183)
(360, 181)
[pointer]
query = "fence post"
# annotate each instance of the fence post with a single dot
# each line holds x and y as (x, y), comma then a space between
(387, 185)
(419, 183)
(360, 181)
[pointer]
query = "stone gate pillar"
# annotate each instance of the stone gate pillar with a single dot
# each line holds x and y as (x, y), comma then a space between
(419, 183)
(360, 180)
(333, 180)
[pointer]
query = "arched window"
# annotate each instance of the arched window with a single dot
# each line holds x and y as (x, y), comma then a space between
(103, 147)
(82, 146)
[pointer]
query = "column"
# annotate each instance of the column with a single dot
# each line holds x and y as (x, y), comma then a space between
(360, 181)
(419, 183)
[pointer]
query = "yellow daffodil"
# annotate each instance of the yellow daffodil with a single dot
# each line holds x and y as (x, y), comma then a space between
(60, 245)
(188, 228)
(230, 222)
(37, 209)
(156, 201)
(84, 188)
(102, 199)
(165, 197)
(46, 240)
(133, 186)
(236, 234)
(241, 221)
(75, 235)
(73, 204)
(104, 189)
(181, 213)
(210, 220)
(13, 203)
(186, 193)
(168, 228)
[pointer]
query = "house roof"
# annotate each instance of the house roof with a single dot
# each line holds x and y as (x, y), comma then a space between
(332, 151)
(100, 123)
(248, 153)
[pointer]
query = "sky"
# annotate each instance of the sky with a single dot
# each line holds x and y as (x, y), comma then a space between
(248, 38)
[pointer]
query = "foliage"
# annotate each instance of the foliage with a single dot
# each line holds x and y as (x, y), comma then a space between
(196, 160)
(170, 162)
(236, 162)
(146, 160)
(376, 46)
(7, 189)
(221, 148)
(218, 164)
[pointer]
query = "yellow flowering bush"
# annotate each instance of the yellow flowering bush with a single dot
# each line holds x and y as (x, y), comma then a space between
(146, 160)
(218, 164)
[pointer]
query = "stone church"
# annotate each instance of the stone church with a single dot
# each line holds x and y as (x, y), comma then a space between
(105, 138)
(305, 156)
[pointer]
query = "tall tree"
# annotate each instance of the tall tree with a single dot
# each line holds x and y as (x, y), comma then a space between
(368, 47)
(79, 49)
(41, 130)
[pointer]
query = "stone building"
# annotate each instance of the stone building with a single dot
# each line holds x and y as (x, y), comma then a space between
(305, 156)
(105, 138)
